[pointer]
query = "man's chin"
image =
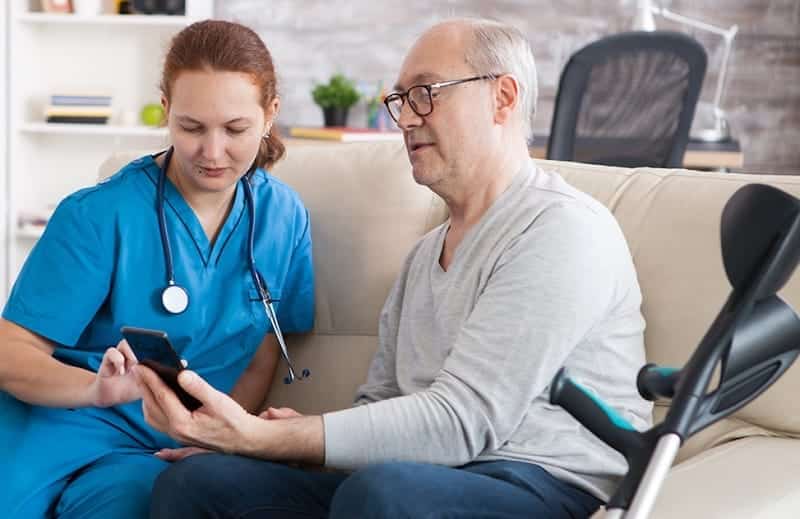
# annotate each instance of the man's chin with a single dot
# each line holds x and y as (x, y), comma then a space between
(423, 176)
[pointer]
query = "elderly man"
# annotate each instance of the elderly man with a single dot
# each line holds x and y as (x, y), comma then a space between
(528, 275)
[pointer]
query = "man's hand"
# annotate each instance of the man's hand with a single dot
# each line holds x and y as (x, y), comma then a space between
(219, 424)
(223, 425)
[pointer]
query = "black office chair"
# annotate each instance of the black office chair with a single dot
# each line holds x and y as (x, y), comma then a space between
(628, 100)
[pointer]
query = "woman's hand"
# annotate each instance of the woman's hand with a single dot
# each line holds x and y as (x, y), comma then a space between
(180, 453)
(115, 382)
(279, 413)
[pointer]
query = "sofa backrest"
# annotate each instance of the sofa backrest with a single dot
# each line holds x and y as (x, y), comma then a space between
(367, 213)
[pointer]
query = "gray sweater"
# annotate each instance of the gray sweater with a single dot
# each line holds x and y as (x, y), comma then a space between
(545, 279)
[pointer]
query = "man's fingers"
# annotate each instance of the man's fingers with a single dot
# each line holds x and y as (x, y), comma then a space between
(161, 405)
(198, 388)
(152, 413)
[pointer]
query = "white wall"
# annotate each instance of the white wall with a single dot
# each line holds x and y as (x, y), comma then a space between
(5, 240)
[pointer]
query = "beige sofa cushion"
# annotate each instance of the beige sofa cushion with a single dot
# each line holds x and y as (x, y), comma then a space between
(753, 478)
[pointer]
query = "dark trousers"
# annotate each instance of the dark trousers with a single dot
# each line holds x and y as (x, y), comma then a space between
(216, 485)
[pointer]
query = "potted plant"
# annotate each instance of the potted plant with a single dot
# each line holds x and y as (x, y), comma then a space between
(335, 98)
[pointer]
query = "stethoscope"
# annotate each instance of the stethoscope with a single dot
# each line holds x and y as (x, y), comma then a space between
(175, 298)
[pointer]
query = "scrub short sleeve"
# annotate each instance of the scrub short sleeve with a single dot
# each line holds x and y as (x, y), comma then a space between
(66, 277)
(296, 308)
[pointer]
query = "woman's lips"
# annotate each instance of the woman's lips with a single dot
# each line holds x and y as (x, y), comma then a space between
(211, 172)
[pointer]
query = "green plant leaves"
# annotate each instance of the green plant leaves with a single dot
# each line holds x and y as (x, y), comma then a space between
(338, 92)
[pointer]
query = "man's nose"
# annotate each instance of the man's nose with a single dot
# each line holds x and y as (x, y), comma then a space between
(408, 118)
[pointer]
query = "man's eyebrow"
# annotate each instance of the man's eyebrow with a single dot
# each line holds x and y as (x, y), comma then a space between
(419, 79)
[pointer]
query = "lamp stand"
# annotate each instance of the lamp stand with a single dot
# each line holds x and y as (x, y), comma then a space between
(644, 21)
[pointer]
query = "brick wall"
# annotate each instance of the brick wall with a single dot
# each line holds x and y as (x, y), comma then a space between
(366, 39)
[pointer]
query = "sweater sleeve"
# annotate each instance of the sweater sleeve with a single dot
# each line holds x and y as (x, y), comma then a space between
(550, 286)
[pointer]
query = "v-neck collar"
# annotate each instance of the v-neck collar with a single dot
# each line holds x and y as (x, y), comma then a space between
(517, 182)
(174, 200)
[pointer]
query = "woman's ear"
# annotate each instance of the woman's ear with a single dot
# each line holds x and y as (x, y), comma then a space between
(271, 113)
(164, 104)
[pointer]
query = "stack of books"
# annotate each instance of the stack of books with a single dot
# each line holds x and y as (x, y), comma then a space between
(86, 109)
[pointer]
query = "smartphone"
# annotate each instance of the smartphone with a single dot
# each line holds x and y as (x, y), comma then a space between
(153, 349)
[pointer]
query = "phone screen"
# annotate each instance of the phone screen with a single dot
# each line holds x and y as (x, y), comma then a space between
(153, 349)
(152, 345)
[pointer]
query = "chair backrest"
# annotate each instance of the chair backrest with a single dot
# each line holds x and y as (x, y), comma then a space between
(628, 100)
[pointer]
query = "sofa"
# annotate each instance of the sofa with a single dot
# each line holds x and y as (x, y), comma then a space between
(367, 213)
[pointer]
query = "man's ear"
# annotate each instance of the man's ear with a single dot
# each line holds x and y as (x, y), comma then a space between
(506, 98)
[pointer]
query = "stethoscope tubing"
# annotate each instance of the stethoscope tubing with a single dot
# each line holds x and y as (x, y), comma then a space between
(258, 280)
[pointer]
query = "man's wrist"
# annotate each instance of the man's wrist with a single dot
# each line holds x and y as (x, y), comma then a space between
(300, 439)
(256, 435)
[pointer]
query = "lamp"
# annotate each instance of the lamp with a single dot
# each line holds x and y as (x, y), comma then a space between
(645, 21)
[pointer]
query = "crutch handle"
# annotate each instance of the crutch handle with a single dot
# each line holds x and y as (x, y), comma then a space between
(654, 382)
(594, 414)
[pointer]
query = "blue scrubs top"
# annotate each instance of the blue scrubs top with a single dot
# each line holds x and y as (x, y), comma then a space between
(100, 265)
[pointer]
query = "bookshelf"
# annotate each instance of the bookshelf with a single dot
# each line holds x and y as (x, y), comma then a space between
(108, 54)
(112, 130)
(175, 22)
(4, 213)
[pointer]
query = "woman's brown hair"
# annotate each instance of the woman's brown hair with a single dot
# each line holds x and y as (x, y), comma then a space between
(230, 47)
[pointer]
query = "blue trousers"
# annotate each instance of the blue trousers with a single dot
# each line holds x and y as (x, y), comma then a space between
(217, 485)
(71, 464)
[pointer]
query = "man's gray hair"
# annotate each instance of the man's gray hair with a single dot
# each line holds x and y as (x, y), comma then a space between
(499, 48)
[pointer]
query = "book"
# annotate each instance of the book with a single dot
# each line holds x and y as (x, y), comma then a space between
(76, 119)
(344, 134)
(80, 100)
(77, 111)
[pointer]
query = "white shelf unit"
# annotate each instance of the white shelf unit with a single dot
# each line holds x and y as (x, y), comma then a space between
(105, 19)
(111, 130)
(5, 237)
(29, 232)
(116, 55)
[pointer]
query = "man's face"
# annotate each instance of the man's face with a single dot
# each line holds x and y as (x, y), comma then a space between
(443, 145)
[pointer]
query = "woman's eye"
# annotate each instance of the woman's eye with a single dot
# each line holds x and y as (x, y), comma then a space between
(192, 129)
(237, 131)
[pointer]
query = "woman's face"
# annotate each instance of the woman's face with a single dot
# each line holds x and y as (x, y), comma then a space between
(216, 123)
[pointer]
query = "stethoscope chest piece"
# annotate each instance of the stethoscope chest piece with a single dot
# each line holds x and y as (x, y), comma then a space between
(175, 299)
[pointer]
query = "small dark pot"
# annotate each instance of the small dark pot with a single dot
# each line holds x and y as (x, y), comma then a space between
(335, 116)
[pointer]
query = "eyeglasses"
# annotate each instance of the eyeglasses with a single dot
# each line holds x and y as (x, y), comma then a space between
(420, 97)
